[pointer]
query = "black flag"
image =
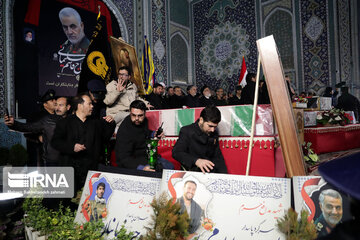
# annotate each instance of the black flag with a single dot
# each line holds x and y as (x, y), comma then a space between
(98, 63)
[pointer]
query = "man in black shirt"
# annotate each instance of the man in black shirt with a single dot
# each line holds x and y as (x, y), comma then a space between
(197, 148)
(155, 97)
(80, 138)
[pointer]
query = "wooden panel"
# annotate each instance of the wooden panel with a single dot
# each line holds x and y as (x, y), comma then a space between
(282, 107)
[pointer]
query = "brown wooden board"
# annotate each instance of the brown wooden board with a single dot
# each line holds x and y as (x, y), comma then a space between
(282, 107)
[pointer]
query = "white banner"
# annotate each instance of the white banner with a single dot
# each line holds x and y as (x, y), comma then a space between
(233, 206)
(125, 200)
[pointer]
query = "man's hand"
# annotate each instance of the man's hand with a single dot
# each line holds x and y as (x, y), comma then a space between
(147, 168)
(149, 106)
(9, 120)
(204, 165)
(79, 147)
(120, 85)
(108, 118)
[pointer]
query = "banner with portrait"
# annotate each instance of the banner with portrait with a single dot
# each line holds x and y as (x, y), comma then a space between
(118, 200)
(326, 205)
(63, 39)
(232, 206)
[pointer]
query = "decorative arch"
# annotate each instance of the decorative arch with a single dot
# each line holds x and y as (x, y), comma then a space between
(178, 41)
(284, 35)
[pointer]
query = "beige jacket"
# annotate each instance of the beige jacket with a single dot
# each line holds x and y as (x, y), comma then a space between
(120, 101)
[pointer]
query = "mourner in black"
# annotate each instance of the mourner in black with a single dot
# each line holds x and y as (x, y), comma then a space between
(80, 138)
(197, 148)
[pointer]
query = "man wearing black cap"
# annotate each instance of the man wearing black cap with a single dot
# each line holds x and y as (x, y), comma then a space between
(348, 102)
(48, 101)
(44, 126)
(34, 140)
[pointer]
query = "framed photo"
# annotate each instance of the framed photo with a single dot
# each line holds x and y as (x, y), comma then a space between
(125, 55)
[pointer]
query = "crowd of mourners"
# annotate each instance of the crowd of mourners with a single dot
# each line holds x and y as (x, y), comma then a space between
(74, 132)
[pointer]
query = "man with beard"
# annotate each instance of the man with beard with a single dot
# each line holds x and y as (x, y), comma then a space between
(80, 138)
(193, 209)
(197, 148)
(120, 94)
(130, 148)
(332, 210)
(155, 98)
(73, 27)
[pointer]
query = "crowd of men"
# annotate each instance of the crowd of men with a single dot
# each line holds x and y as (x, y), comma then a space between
(73, 132)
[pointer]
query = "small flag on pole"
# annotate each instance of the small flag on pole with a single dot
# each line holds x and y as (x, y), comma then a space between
(243, 73)
(147, 68)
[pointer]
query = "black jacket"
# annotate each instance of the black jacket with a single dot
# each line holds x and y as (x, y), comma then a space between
(45, 126)
(206, 101)
(130, 148)
(193, 144)
(176, 101)
(156, 100)
(93, 133)
(349, 102)
(248, 93)
(191, 101)
(236, 101)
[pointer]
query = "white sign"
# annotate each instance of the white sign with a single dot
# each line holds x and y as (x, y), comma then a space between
(118, 200)
(233, 206)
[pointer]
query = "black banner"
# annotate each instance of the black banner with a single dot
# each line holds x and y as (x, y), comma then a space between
(98, 63)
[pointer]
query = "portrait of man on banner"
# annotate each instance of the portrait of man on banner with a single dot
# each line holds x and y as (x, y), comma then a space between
(63, 40)
(96, 205)
(327, 206)
(194, 198)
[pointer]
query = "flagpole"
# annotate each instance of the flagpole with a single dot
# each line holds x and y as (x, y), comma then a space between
(99, 14)
(253, 118)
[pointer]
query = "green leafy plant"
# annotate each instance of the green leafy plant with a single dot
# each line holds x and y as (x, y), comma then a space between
(310, 156)
(168, 222)
(296, 228)
(123, 234)
(59, 224)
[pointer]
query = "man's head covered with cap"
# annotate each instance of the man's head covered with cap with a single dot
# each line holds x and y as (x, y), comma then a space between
(48, 101)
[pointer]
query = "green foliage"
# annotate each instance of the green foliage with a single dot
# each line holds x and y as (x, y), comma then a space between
(18, 155)
(297, 229)
(168, 222)
(309, 155)
(59, 225)
(122, 234)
